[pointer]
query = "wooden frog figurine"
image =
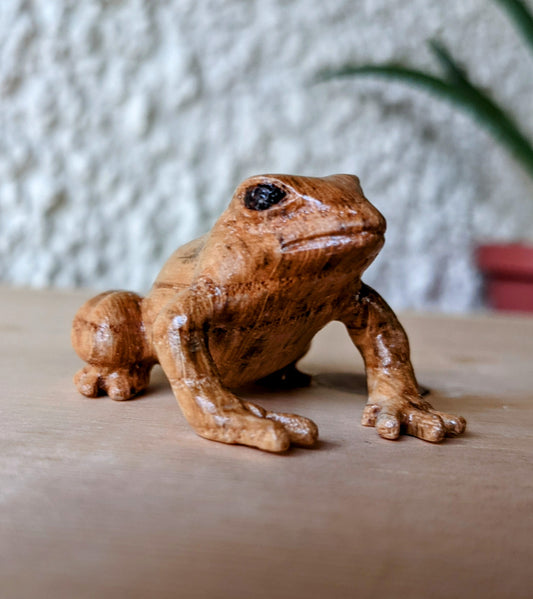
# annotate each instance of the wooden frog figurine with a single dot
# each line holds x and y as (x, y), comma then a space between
(243, 302)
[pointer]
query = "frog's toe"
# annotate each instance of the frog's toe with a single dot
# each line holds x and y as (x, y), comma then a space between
(386, 420)
(454, 425)
(370, 414)
(86, 381)
(301, 430)
(247, 429)
(428, 426)
(119, 386)
(266, 435)
(388, 425)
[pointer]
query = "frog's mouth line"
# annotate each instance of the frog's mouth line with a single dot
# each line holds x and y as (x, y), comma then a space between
(321, 241)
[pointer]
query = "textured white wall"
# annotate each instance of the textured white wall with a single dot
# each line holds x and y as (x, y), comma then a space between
(126, 125)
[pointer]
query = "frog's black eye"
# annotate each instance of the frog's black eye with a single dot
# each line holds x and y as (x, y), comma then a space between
(262, 197)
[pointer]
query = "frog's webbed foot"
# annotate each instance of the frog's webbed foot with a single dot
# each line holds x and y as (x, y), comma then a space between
(118, 383)
(286, 378)
(414, 416)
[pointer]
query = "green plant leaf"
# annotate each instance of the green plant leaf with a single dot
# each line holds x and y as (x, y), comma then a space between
(390, 71)
(454, 72)
(459, 92)
(521, 16)
(483, 107)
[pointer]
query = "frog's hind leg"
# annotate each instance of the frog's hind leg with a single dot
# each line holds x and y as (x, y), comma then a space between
(108, 333)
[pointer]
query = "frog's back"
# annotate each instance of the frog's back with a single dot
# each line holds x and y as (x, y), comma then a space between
(176, 275)
(178, 270)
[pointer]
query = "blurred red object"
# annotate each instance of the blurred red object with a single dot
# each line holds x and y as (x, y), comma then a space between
(508, 273)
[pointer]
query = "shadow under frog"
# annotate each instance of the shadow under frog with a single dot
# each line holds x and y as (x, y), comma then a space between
(243, 302)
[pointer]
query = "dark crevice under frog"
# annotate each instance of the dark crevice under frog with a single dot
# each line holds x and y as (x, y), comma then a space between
(242, 304)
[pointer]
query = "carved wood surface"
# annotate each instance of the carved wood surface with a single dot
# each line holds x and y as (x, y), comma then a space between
(121, 499)
(243, 303)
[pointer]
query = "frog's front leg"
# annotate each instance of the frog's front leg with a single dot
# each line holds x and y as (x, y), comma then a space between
(394, 403)
(179, 337)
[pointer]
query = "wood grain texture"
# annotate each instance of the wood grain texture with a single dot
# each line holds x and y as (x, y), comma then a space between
(244, 302)
(106, 499)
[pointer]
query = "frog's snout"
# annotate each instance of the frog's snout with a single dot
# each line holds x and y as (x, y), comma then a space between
(362, 217)
(347, 199)
(375, 222)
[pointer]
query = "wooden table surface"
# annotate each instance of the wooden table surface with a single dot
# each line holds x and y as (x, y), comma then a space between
(104, 499)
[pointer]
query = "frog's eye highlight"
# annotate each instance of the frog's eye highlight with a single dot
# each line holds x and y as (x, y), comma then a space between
(262, 197)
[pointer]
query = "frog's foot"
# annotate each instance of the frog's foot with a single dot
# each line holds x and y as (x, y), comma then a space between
(415, 417)
(250, 424)
(118, 383)
(286, 378)
(300, 429)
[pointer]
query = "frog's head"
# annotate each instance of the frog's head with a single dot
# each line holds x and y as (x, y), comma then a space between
(319, 222)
